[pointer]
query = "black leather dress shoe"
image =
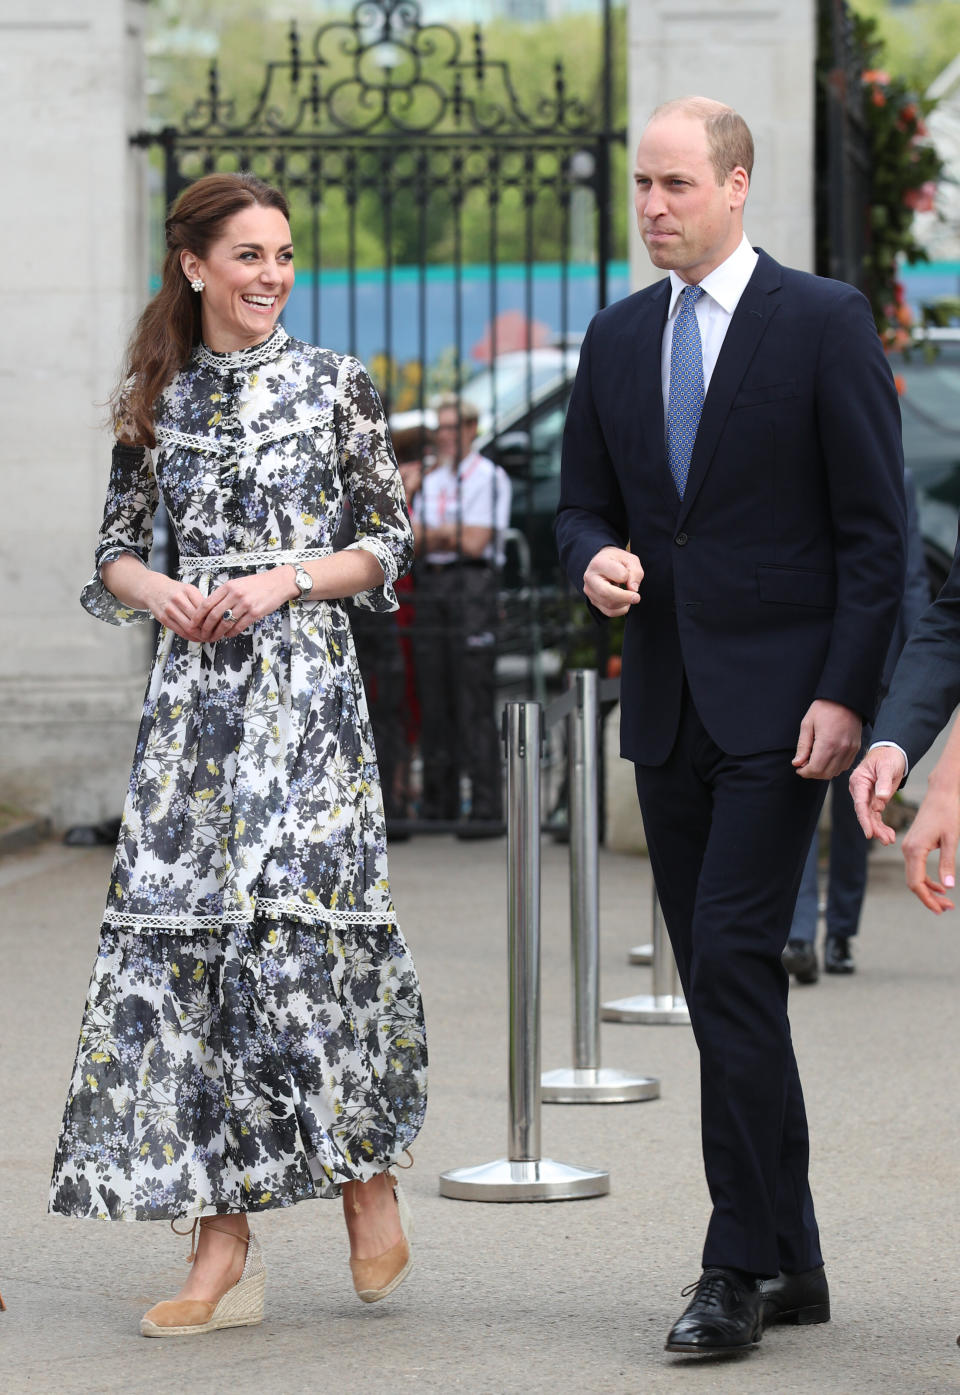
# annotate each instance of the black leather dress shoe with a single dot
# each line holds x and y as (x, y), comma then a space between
(723, 1315)
(800, 1299)
(838, 956)
(800, 959)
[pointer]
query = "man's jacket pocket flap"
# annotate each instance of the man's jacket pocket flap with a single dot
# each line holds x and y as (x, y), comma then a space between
(796, 586)
(765, 392)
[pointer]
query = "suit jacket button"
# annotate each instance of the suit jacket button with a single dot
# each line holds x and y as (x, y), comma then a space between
(681, 540)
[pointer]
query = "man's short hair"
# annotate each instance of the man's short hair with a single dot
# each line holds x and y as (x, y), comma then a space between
(728, 135)
(465, 409)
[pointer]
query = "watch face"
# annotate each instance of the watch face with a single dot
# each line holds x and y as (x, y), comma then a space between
(304, 580)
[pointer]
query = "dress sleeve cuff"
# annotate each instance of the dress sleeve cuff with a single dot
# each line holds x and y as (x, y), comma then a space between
(381, 599)
(98, 601)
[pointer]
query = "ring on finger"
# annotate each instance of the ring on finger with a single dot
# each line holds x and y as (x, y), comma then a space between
(227, 617)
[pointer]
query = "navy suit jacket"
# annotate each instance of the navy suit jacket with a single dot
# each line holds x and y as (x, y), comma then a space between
(925, 687)
(778, 577)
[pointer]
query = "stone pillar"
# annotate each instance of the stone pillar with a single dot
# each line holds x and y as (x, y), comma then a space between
(759, 59)
(75, 251)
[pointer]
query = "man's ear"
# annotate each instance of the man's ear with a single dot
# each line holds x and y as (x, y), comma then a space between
(739, 182)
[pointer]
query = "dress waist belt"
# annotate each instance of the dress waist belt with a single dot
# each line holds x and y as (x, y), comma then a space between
(266, 557)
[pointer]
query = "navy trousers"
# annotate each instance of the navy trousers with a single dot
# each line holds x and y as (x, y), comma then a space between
(727, 837)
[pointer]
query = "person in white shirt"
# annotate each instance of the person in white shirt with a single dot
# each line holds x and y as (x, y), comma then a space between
(460, 513)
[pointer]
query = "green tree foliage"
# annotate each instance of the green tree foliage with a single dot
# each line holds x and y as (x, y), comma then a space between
(919, 40)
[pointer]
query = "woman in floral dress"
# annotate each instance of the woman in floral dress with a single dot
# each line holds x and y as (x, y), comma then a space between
(253, 1033)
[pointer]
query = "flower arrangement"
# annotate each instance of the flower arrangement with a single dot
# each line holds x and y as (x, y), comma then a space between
(904, 171)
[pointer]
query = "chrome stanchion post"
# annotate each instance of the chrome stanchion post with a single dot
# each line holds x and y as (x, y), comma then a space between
(524, 1175)
(588, 1083)
(523, 933)
(666, 1004)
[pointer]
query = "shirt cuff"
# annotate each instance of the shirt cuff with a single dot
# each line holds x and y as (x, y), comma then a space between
(874, 745)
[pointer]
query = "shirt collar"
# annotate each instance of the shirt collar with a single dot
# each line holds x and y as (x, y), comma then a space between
(725, 284)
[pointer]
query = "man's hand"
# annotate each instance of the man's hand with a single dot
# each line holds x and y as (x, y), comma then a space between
(830, 737)
(937, 825)
(872, 785)
(612, 581)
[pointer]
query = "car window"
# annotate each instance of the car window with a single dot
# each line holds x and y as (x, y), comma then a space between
(546, 439)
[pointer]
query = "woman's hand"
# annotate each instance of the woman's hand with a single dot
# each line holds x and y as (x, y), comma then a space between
(936, 828)
(173, 604)
(248, 599)
(176, 605)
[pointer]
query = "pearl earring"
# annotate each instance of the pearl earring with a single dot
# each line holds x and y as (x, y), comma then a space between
(197, 284)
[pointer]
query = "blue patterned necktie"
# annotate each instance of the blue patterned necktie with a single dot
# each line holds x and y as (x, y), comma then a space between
(686, 387)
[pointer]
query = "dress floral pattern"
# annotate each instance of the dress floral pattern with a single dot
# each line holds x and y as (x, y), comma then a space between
(253, 1033)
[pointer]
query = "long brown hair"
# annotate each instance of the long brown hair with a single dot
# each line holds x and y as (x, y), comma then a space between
(170, 325)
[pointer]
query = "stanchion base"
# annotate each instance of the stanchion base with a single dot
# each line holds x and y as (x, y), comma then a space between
(504, 1180)
(596, 1087)
(646, 1008)
(641, 954)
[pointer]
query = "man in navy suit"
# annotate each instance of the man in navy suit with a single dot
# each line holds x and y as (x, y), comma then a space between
(732, 483)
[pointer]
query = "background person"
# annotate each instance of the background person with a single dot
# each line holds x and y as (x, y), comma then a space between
(847, 860)
(738, 425)
(253, 1034)
(460, 513)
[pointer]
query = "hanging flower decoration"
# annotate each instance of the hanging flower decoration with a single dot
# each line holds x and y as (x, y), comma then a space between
(905, 169)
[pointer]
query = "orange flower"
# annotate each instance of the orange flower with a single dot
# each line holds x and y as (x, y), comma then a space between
(900, 383)
(876, 75)
(878, 98)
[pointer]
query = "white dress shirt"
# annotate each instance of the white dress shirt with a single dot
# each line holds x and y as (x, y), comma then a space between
(723, 286)
(475, 494)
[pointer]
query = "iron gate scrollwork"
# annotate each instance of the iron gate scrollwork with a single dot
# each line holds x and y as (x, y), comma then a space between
(436, 216)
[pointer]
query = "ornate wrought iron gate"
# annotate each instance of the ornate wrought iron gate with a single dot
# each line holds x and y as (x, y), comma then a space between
(434, 212)
(404, 148)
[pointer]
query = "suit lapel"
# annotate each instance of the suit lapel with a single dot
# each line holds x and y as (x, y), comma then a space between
(756, 308)
(640, 349)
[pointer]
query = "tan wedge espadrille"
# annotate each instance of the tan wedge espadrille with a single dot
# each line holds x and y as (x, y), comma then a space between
(375, 1278)
(240, 1306)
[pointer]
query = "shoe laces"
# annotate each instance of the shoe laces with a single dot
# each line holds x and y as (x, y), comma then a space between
(713, 1285)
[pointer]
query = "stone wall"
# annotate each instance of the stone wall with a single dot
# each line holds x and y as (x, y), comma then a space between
(760, 59)
(74, 247)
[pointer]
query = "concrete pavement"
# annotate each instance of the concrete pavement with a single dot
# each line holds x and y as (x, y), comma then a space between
(565, 1297)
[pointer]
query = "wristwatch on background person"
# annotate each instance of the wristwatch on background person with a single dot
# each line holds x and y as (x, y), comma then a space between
(303, 579)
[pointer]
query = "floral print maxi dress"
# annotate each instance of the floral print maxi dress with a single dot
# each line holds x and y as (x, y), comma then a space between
(253, 1033)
